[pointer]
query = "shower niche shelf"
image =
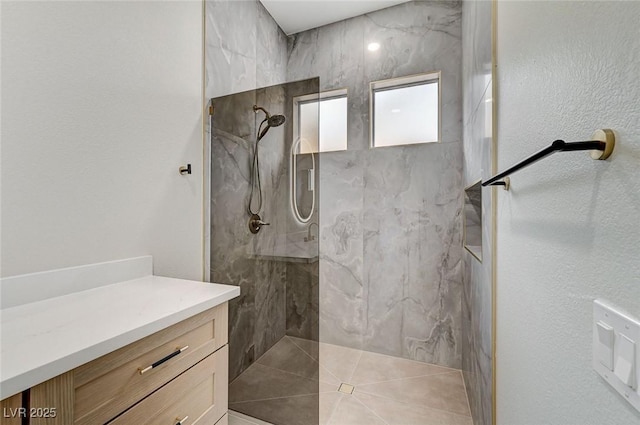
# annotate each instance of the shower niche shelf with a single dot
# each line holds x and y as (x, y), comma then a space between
(472, 239)
(288, 248)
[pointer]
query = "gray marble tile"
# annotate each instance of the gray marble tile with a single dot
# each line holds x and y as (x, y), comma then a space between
(300, 410)
(418, 37)
(302, 51)
(310, 347)
(373, 367)
(350, 410)
(477, 277)
(287, 356)
(273, 292)
(335, 53)
(328, 404)
(260, 382)
(230, 58)
(412, 252)
(396, 412)
(476, 65)
(303, 300)
(443, 391)
(389, 251)
(394, 390)
(389, 219)
(283, 386)
(270, 50)
(229, 261)
(242, 57)
(342, 294)
(339, 361)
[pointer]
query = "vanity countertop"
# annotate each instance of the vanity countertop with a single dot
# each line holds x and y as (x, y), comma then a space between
(42, 339)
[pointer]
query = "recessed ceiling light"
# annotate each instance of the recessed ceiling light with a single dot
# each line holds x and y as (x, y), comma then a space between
(395, 111)
(373, 47)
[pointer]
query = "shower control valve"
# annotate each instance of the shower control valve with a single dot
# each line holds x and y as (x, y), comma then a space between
(255, 223)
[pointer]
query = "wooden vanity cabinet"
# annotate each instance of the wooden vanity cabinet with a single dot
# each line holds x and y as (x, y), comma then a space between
(178, 375)
(10, 408)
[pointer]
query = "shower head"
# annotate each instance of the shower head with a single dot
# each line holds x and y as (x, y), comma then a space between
(272, 121)
(276, 121)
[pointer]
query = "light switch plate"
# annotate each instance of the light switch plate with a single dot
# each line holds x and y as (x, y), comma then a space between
(625, 329)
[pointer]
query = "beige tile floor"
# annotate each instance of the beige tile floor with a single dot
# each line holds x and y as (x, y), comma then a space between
(297, 382)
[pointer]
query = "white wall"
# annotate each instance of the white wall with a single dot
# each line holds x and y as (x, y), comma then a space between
(101, 103)
(569, 229)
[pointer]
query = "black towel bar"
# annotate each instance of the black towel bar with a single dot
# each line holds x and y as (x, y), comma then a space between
(602, 145)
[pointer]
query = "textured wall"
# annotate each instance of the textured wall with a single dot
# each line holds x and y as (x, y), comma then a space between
(390, 243)
(101, 103)
(568, 230)
(477, 276)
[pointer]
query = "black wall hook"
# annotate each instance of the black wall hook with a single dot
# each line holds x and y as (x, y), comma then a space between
(185, 170)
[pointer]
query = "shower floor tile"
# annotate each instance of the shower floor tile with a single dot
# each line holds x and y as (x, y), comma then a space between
(297, 382)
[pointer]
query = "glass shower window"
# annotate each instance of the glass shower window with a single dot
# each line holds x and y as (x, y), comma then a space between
(321, 123)
(405, 110)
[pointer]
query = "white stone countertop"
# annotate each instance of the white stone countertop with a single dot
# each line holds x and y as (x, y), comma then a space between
(42, 339)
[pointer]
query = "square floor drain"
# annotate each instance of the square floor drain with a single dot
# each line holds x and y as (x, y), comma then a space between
(346, 388)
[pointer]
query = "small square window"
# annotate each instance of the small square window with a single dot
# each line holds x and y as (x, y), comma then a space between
(405, 110)
(323, 129)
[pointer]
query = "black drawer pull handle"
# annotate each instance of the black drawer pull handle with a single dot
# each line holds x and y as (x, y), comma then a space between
(164, 359)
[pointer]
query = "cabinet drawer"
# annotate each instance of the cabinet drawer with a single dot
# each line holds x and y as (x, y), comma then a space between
(10, 410)
(108, 385)
(199, 395)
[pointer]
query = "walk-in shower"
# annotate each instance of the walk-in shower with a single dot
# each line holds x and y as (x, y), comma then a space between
(373, 267)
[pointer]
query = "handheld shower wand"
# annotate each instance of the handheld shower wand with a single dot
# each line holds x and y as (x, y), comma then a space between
(272, 121)
(254, 175)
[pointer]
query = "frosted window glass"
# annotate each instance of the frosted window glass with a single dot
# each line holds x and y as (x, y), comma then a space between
(333, 124)
(308, 127)
(332, 128)
(406, 115)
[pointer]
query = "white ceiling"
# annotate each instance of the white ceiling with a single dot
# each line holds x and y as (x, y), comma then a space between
(299, 15)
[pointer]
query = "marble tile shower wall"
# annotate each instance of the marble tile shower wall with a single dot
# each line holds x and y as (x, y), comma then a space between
(477, 276)
(275, 296)
(390, 232)
(244, 56)
(240, 57)
(257, 317)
